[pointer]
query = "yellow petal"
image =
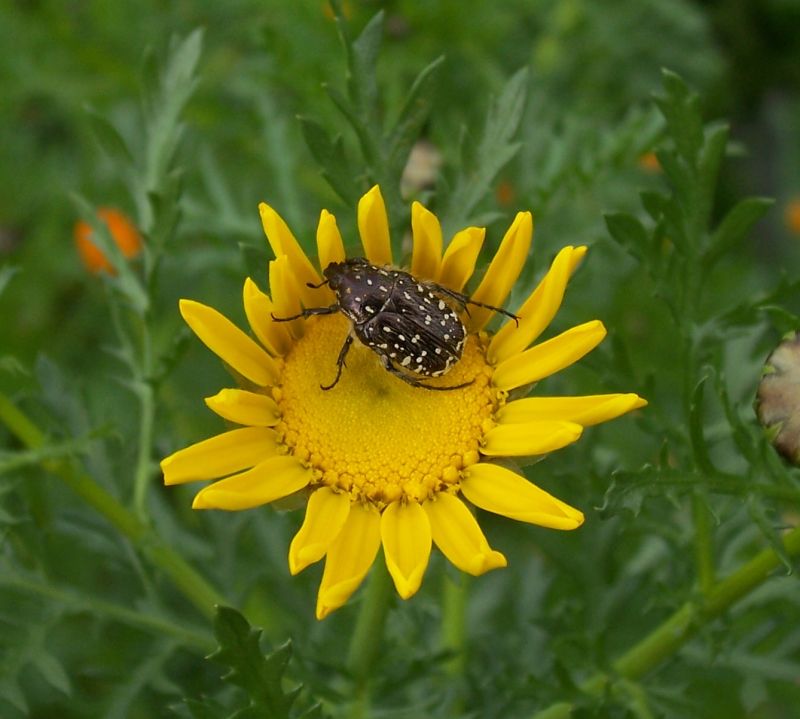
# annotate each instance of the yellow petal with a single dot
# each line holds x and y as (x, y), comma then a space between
(459, 259)
(330, 247)
(229, 343)
(283, 242)
(458, 536)
(259, 310)
(426, 255)
(349, 558)
(501, 491)
(249, 408)
(406, 536)
(285, 300)
(586, 411)
(503, 270)
(326, 514)
(538, 310)
(529, 438)
(373, 226)
(548, 357)
(269, 480)
(221, 455)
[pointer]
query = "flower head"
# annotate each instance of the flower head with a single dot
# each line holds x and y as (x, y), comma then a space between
(123, 232)
(384, 463)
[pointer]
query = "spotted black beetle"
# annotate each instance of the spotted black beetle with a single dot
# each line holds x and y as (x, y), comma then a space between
(409, 323)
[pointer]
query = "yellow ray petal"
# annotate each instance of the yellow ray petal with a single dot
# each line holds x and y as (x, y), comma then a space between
(426, 255)
(330, 247)
(221, 455)
(349, 558)
(586, 411)
(538, 310)
(503, 270)
(406, 536)
(229, 343)
(248, 408)
(549, 357)
(259, 310)
(529, 438)
(459, 259)
(285, 300)
(373, 226)
(458, 536)
(499, 490)
(269, 480)
(326, 514)
(283, 242)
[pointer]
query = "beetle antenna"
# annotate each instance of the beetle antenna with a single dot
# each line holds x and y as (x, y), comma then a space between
(316, 287)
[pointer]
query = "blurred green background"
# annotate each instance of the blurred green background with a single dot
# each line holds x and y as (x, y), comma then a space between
(586, 132)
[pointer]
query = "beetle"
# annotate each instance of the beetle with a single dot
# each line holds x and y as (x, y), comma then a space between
(410, 323)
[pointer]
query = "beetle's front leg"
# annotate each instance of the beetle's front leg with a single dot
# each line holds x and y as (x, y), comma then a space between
(339, 362)
(308, 312)
(464, 300)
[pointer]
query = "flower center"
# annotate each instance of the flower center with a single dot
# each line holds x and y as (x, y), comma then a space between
(373, 435)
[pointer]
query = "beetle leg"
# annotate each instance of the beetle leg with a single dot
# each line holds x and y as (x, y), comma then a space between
(339, 362)
(413, 381)
(496, 309)
(308, 312)
(464, 300)
(316, 287)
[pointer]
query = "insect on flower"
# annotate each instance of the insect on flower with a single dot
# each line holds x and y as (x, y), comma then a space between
(411, 324)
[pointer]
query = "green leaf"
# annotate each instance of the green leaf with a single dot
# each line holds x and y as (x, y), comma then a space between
(681, 110)
(412, 116)
(711, 155)
(363, 56)
(696, 427)
(735, 226)
(495, 149)
(6, 273)
(629, 232)
(52, 671)
(329, 153)
(109, 138)
(769, 530)
(259, 675)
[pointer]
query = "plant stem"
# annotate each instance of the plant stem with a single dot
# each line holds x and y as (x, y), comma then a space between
(368, 636)
(142, 475)
(454, 607)
(160, 626)
(193, 585)
(703, 546)
(681, 626)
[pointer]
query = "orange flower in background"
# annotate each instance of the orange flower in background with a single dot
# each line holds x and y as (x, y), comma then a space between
(791, 215)
(123, 232)
(649, 162)
(505, 193)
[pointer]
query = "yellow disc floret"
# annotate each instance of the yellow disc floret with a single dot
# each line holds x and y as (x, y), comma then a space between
(373, 435)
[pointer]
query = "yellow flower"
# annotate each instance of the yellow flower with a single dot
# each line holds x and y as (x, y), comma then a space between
(383, 462)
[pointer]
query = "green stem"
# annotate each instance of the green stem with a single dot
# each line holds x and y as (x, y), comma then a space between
(681, 626)
(703, 545)
(454, 607)
(193, 585)
(157, 625)
(142, 474)
(367, 637)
